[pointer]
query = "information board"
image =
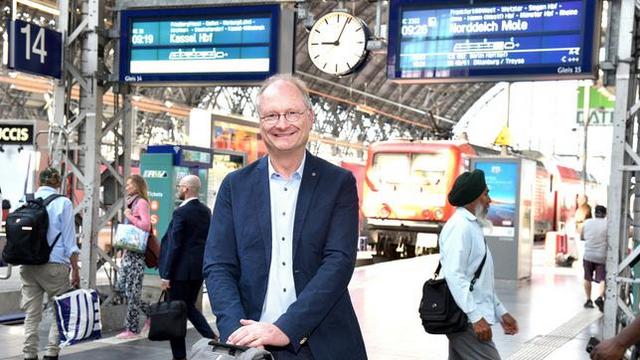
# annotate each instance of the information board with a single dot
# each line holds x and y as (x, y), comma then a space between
(200, 44)
(446, 41)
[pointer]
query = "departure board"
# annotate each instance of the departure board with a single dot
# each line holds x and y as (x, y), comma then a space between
(447, 41)
(200, 44)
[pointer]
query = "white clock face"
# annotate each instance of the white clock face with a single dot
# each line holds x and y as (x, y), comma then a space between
(337, 43)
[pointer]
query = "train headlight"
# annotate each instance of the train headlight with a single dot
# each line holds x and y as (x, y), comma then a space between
(384, 211)
(439, 214)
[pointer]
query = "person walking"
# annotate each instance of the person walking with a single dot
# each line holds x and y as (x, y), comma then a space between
(282, 242)
(51, 278)
(131, 271)
(181, 253)
(462, 251)
(594, 233)
(583, 211)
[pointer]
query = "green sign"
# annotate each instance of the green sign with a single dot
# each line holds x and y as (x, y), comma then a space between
(601, 107)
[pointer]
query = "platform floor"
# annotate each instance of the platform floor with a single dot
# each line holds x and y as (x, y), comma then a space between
(548, 307)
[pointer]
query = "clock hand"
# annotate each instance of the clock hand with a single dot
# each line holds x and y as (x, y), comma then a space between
(337, 42)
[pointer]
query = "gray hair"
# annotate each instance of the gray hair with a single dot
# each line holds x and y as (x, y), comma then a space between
(192, 181)
(297, 82)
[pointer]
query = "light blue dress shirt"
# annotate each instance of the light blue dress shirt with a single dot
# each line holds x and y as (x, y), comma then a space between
(462, 248)
(281, 291)
(60, 222)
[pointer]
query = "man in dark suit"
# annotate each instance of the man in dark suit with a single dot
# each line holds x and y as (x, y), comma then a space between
(282, 242)
(181, 252)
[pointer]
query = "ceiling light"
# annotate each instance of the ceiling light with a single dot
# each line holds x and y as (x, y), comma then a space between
(40, 6)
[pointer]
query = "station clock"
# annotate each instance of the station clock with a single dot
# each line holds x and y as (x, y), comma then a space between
(337, 43)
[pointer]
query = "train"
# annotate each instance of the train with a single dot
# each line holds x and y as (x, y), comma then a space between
(406, 182)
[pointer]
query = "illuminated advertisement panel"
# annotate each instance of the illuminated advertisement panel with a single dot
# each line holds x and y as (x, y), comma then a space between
(502, 181)
(200, 44)
(447, 41)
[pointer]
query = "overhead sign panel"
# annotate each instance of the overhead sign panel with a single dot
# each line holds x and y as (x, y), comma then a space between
(200, 44)
(447, 41)
(34, 49)
(16, 134)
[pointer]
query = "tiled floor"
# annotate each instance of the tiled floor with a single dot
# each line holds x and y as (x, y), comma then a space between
(386, 298)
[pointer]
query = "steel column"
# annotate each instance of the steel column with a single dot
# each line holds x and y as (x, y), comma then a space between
(620, 181)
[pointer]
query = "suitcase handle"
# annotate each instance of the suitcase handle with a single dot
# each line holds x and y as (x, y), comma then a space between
(231, 347)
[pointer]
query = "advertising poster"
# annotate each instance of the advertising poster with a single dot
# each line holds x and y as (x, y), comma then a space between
(502, 181)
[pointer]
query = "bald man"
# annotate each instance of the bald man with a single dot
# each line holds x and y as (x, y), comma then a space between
(181, 252)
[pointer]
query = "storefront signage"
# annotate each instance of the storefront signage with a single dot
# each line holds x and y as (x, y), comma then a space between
(16, 134)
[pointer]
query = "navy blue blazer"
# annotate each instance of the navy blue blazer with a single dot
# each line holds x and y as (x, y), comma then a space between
(182, 246)
(325, 233)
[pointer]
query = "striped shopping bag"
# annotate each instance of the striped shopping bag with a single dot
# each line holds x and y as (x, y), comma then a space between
(78, 316)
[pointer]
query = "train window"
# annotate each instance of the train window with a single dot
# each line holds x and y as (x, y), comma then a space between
(429, 170)
(392, 168)
(423, 170)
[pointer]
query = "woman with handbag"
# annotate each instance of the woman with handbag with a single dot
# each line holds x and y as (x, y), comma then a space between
(131, 271)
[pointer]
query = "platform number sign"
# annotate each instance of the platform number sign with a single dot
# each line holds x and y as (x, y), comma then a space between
(34, 49)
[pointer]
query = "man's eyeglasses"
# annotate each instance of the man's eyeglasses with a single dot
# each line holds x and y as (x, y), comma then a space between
(289, 116)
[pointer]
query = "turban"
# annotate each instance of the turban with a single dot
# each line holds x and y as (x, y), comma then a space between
(467, 187)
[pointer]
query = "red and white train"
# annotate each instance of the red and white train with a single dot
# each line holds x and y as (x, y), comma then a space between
(406, 185)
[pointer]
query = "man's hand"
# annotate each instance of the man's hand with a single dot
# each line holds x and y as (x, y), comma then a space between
(482, 330)
(127, 212)
(609, 349)
(509, 324)
(165, 285)
(75, 277)
(258, 334)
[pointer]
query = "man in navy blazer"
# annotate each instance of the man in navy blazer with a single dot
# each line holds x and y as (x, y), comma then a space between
(181, 252)
(282, 242)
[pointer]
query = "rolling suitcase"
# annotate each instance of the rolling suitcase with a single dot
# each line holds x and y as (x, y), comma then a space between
(207, 349)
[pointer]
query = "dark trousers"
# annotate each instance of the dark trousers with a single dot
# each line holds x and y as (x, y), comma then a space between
(187, 291)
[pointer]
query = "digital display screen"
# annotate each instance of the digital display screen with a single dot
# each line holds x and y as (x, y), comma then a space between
(440, 41)
(200, 44)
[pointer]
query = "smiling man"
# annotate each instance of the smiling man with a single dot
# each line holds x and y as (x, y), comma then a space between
(282, 242)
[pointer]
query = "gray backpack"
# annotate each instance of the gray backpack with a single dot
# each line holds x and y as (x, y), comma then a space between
(207, 349)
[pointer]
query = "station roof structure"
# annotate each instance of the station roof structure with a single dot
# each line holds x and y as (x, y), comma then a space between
(437, 105)
(434, 108)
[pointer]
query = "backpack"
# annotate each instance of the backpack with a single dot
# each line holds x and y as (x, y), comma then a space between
(26, 230)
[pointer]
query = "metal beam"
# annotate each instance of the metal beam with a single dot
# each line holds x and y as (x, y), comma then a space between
(372, 96)
(76, 141)
(620, 181)
(125, 4)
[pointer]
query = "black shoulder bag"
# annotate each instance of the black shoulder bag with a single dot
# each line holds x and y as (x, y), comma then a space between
(438, 310)
(168, 319)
